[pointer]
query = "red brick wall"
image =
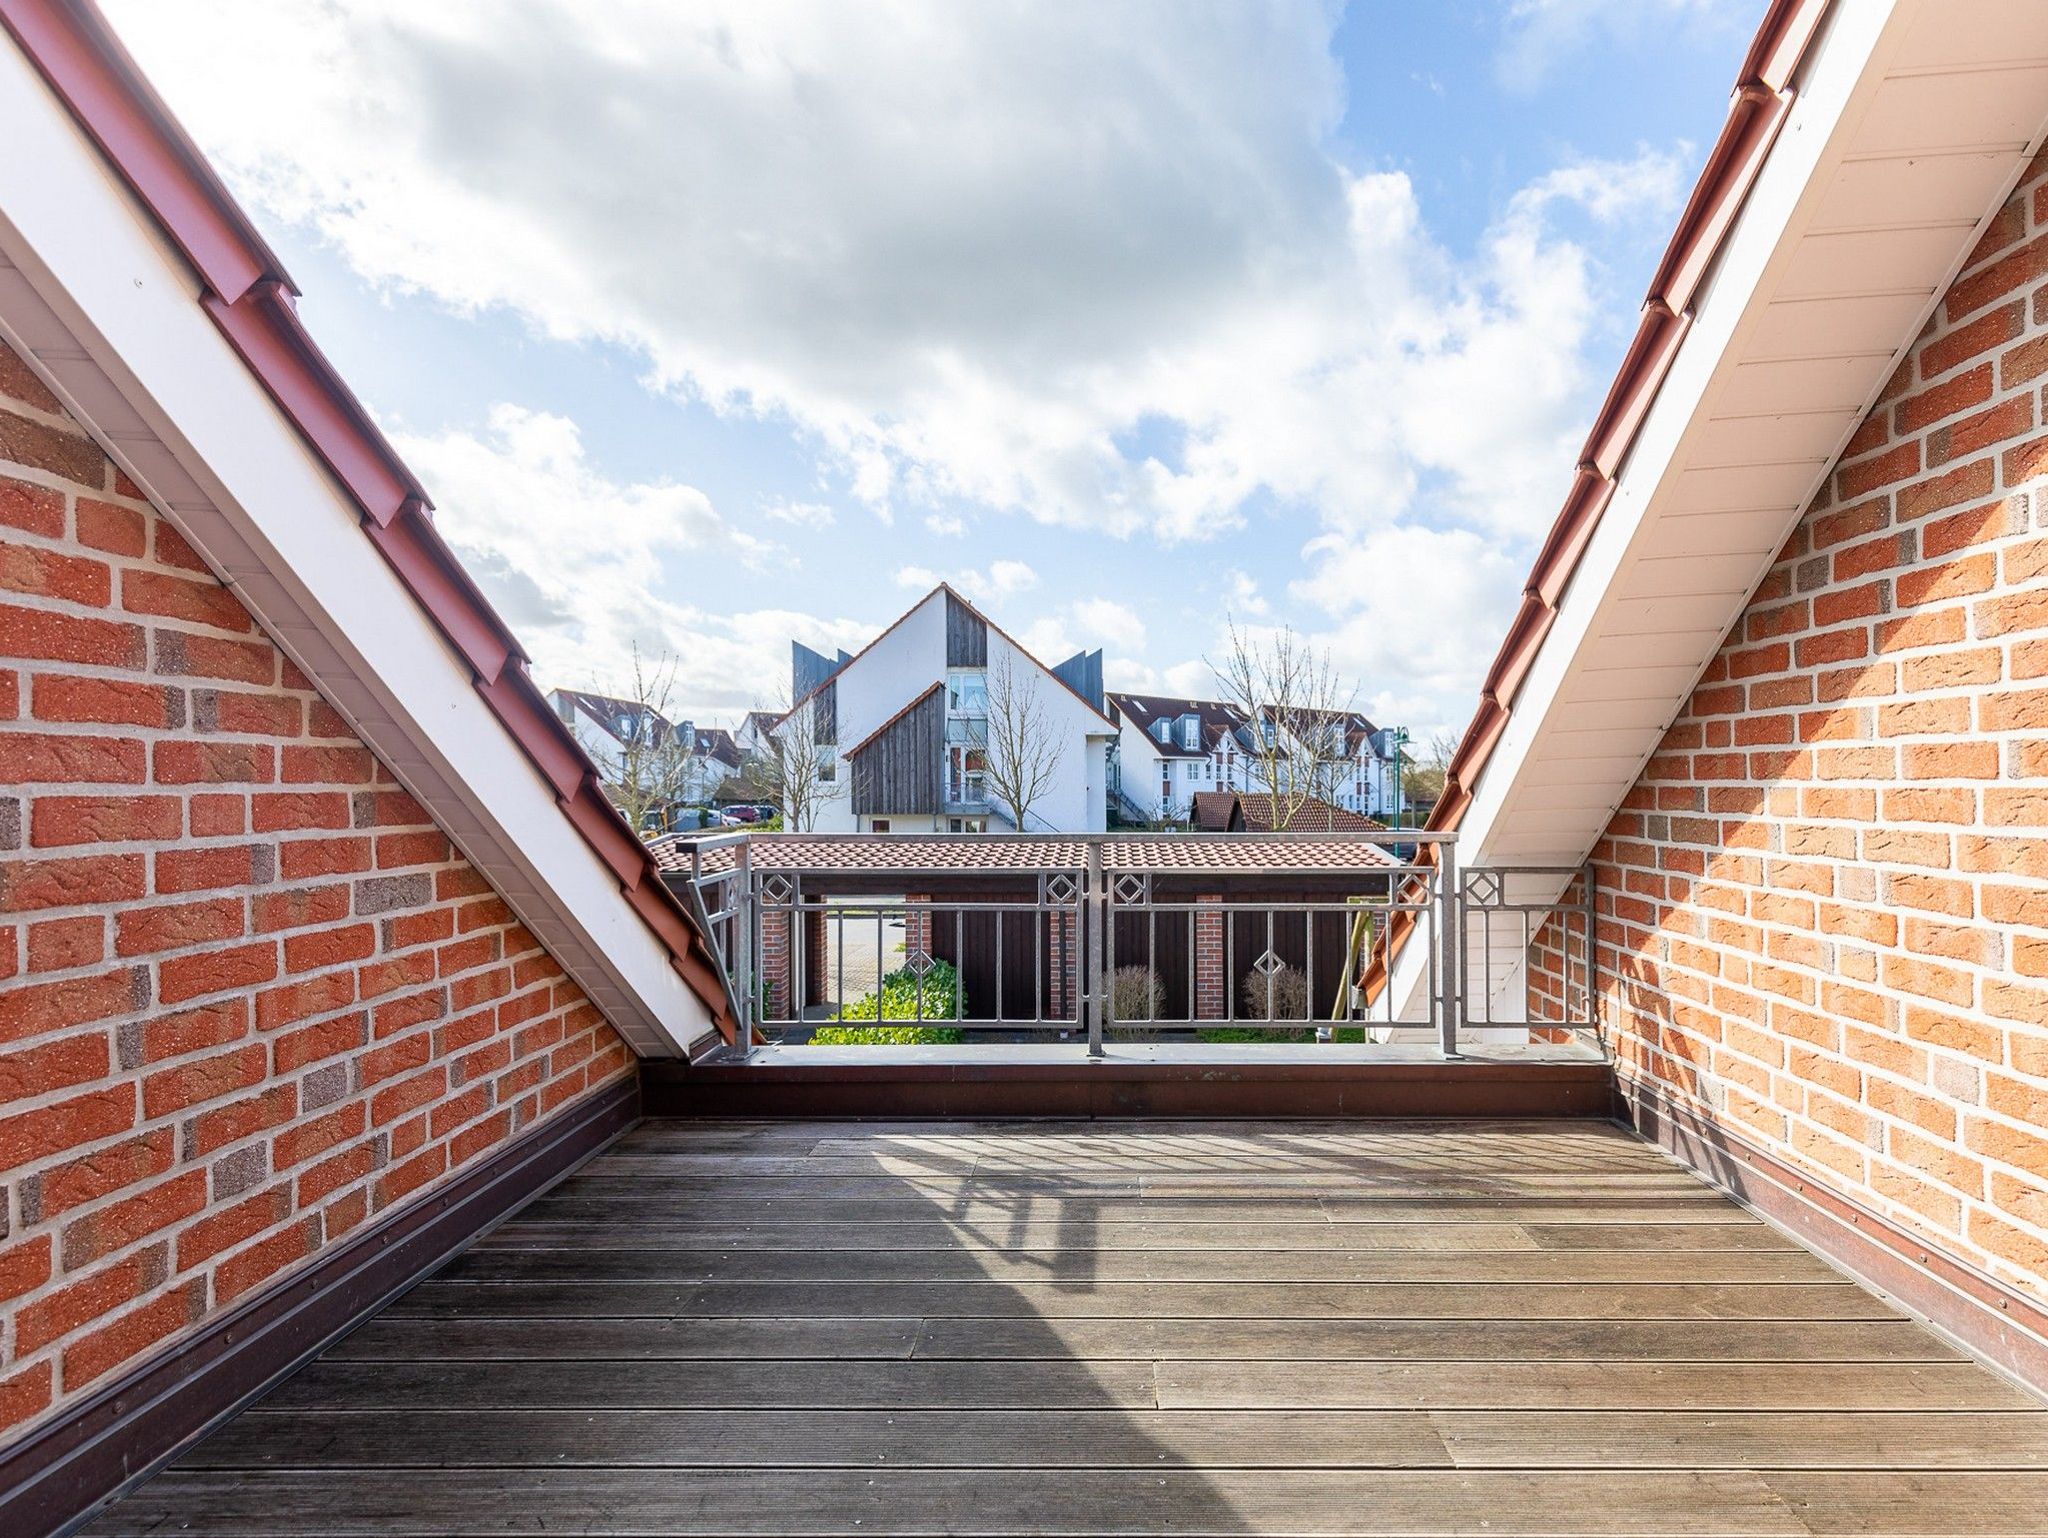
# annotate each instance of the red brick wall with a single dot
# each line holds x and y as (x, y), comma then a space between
(1826, 902)
(250, 998)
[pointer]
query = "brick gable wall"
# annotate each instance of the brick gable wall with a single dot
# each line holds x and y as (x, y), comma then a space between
(250, 997)
(1824, 910)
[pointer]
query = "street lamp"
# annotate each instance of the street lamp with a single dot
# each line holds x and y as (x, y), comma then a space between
(1397, 736)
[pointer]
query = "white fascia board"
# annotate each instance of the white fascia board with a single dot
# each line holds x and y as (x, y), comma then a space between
(241, 484)
(1739, 289)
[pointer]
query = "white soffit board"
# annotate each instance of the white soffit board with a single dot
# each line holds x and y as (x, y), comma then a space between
(1912, 123)
(106, 312)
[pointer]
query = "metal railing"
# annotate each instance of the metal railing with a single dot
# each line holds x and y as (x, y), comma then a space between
(1106, 938)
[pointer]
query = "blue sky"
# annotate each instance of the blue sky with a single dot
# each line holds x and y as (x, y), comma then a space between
(712, 325)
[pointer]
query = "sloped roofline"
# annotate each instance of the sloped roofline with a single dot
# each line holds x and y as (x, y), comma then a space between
(872, 737)
(1762, 98)
(954, 593)
(251, 300)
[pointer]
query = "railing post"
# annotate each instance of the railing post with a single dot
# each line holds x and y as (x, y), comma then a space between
(1095, 914)
(742, 959)
(1450, 947)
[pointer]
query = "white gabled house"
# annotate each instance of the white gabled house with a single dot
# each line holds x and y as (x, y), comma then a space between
(610, 728)
(1171, 750)
(930, 727)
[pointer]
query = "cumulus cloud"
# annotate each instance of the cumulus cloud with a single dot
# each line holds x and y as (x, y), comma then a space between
(574, 560)
(1095, 265)
(964, 251)
(1541, 35)
(1001, 579)
(807, 515)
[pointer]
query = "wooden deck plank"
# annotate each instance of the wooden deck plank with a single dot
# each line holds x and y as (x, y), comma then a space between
(1078, 1267)
(629, 1207)
(1031, 1327)
(1153, 1339)
(645, 1180)
(1137, 1300)
(1123, 1438)
(1078, 1233)
(914, 1502)
(334, 1382)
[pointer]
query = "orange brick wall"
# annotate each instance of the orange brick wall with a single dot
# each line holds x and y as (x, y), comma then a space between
(1825, 905)
(250, 998)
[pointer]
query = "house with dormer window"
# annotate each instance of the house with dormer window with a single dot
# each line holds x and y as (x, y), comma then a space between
(944, 724)
(1171, 750)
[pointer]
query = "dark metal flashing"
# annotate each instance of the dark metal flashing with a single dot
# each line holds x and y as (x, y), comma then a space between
(59, 1475)
(1080, 1088)
(1978, 1313)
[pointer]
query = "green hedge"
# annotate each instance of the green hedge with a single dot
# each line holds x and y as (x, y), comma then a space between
(899, 999)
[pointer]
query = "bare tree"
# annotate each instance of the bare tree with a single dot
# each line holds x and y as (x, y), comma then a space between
(646, 760)
(1024, 742)
(803, 772)
(1299, 713)
(1422, 779)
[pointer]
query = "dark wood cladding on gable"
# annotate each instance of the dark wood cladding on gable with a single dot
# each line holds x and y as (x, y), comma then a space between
(966, 636)
(896, 771)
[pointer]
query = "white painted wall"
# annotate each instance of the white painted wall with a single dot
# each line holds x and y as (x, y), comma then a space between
(908, 659)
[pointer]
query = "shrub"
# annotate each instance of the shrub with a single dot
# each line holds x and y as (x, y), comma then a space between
(1288, 993)
(886, 1036)
(903, 996)
(1135, 994)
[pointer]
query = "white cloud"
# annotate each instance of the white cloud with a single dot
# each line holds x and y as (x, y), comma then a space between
(1415, 613)
(573, 560)
(1002, 579)
(965, 251)
(808, 515)
(1106, 623)
(1540, 35)
(1242, 596)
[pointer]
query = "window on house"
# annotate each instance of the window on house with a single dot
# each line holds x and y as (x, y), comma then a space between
(879, 825)
(967, 691)
(1162, 730)
(828, 765)
(1191, 731)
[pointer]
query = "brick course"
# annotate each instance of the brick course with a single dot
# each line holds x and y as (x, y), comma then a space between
(250, 996)
(1824, 907)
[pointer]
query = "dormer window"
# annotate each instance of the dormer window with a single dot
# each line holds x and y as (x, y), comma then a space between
(1162, 730)
(1191, 731)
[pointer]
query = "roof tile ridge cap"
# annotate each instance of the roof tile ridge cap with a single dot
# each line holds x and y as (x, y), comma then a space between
(85, 63)
(1716, 199)
(280, 301)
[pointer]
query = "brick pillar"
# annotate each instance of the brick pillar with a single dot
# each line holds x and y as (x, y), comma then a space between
(816, 983)
(775, 962)
(917, 924)
(1212, 967)
(1062, 950)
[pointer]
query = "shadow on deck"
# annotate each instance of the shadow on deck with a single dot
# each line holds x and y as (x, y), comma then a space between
(1198, 1328)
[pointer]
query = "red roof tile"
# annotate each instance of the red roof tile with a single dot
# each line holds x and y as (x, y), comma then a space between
(969, 854)
(251, 300)
(1763, 97)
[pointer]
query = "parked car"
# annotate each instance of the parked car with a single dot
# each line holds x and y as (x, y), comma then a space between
(743, 814)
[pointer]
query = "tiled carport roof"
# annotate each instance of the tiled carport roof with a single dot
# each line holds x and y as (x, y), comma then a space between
(1243, 854)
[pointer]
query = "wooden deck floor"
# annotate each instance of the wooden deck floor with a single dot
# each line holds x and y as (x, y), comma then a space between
(1209, 1328)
